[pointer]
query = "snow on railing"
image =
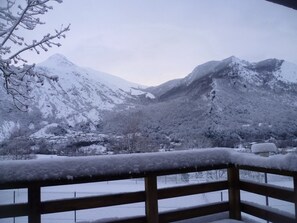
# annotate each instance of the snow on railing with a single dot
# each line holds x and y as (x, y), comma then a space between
(106, 166)
(35, 174)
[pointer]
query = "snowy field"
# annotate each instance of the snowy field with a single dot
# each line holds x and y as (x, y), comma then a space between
(80, 190)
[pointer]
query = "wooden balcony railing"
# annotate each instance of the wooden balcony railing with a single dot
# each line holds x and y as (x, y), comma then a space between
(14, 174)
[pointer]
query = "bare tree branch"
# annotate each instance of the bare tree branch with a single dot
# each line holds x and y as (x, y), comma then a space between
(46, 39)
(18, 79)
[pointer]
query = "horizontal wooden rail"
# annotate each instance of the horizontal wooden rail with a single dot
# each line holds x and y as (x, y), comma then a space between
(268, 170)
(193, 212)
(137, 219)
(267, 213)
(281, 193)
(69, 204)
(191, 189)
(14, 210)
(91, 202)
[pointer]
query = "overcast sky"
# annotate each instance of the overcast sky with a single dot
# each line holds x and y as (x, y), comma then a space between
(153, 41)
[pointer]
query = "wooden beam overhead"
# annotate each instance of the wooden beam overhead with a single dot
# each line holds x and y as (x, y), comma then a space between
(288, 3)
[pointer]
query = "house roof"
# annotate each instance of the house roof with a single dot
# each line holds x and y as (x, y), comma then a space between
(288, 3)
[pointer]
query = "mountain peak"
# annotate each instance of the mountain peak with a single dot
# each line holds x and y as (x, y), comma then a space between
(234, 60)
(57, 60)
(212, 66)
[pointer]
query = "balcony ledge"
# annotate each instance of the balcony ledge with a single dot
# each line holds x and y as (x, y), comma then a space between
(108, 167)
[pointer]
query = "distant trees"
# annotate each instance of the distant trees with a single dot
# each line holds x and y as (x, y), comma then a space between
(129, 131)
(18, 146)
(15, 71)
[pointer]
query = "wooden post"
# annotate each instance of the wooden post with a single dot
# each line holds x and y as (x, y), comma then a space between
(14, 203)
(295, 194)
(266, 197)
(151, 201)
(75, 210)
(234, 193)
(34, 202)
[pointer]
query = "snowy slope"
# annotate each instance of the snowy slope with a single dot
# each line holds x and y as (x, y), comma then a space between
(287, 72)
(225, 103)
(79, 96)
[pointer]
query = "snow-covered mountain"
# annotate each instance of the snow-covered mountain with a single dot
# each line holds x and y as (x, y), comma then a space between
(222, 103)
(79, 96)
(272, 72)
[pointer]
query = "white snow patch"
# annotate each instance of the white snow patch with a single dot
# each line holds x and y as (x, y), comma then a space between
(150, 95)
(93, 149)
(264, 148)
(45, 156)
(287, 72)
(246, 125)
(42, 133)
(94, 115)
(31, 126)
(138, 92)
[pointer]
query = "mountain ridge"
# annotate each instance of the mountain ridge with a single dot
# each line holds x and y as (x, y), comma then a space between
(247, 70)
(220, 103)
(227, 103)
